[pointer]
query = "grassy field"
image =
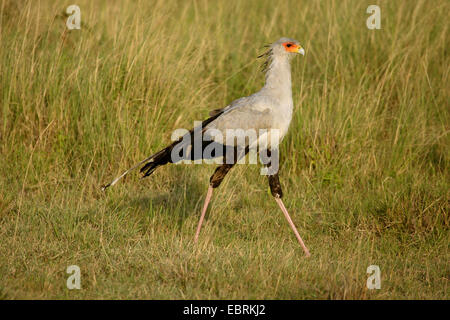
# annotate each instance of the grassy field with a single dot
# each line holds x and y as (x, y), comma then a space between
(364, 167)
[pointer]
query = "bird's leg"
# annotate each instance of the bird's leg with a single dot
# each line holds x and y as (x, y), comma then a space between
(205, 206)
(275, 188)
(214, 182)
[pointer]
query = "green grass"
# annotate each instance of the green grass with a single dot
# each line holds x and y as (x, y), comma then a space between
(364, 167)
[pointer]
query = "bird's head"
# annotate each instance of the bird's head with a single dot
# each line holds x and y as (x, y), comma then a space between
(282, 48)
(287, 47)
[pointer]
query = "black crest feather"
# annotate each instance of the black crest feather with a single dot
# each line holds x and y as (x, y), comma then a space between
(268, 56)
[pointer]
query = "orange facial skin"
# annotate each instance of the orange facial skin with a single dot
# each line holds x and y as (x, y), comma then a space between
(290, 47)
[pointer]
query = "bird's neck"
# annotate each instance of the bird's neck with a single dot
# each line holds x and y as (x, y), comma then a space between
(278, 78)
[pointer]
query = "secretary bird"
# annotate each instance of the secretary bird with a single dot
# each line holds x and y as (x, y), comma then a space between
(267, 110)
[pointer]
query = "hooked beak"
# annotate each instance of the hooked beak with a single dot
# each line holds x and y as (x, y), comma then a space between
(301, 51)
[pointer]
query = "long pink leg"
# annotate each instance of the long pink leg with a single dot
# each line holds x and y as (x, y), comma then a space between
(205, 206)
(286, 214)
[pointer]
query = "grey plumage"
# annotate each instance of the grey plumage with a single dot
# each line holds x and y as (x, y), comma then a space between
(269, 108)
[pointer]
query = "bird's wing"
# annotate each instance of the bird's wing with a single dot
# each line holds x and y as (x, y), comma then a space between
(235, 104)
(248, 113)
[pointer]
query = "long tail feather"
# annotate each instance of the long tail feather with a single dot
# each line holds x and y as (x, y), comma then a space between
(131, 169)
(160, 158)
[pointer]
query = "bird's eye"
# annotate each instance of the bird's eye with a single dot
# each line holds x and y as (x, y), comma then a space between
(289, 45)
